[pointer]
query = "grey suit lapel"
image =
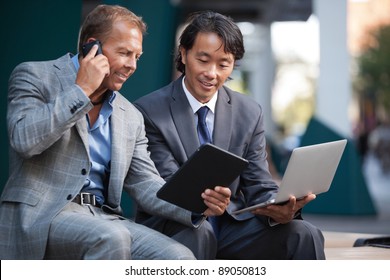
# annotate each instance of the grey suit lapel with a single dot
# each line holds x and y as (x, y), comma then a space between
(66, 73)
(81, 126)
(119, 130)
(65, 70)
(223, 120)
(183, 117)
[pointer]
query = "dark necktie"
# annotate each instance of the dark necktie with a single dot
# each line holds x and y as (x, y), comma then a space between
(204, 137)
(203, 132)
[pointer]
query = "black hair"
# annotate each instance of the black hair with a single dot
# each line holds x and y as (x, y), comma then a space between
(209, 21)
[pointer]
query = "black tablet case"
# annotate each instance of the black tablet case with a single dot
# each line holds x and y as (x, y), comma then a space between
(208, 167)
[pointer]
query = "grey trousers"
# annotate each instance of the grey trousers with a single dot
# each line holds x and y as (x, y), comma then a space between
(201, 240)
(87, 232)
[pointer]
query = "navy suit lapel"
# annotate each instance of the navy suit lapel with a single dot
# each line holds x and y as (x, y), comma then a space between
(223, 120)
(183, 117)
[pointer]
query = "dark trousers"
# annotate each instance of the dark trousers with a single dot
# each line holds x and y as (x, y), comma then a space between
(248, 239)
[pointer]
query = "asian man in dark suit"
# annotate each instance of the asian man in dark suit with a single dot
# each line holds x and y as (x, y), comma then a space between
(209, 47)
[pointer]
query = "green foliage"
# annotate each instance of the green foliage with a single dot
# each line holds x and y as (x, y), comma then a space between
(374, 69)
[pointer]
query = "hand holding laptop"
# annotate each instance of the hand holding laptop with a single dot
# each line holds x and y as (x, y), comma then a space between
(310, 170)
(284, 213)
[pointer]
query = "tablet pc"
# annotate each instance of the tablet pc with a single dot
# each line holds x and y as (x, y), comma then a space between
(208, 167)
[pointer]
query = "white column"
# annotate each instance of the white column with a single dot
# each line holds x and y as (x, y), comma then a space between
(334, 87)
(261, 65)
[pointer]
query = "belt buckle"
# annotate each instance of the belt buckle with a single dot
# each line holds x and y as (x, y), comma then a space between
(87, 194)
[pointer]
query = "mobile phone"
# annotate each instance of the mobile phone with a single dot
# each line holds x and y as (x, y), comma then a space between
(88, 46)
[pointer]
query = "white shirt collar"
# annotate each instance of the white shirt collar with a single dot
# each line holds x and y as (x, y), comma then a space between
(195, 104)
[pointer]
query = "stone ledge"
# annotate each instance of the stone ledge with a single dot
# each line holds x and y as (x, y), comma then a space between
(339, 246)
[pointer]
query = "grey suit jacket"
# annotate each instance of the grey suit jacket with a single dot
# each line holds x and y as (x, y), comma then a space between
(238, 128)
(49, 156)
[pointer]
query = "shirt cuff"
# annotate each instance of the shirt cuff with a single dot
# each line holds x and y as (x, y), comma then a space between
(197, 219)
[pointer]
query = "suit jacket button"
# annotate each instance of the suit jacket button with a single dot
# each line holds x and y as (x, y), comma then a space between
(69, 197)
(83, 171)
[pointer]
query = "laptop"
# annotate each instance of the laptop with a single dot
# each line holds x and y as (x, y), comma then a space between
(208, 167)
(310, 169)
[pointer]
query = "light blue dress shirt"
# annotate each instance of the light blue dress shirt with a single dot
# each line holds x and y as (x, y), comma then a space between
(99, 136)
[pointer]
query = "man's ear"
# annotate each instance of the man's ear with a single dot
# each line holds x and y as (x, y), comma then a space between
(183, 56)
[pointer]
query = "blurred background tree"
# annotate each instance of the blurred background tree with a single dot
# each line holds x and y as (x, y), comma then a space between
(373, 78)
(373, 88)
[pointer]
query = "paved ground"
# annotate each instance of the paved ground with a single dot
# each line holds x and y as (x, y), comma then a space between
(379, 188)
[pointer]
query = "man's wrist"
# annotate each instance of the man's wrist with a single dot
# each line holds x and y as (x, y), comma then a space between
(198, 219)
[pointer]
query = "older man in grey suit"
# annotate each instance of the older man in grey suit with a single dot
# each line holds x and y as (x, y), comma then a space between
(76, 144)
(209, 47)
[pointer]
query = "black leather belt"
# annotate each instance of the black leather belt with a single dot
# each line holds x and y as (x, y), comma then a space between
(86, 199)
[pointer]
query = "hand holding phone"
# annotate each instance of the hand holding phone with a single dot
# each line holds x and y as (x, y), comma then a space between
(92, 71)
(88, 46)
